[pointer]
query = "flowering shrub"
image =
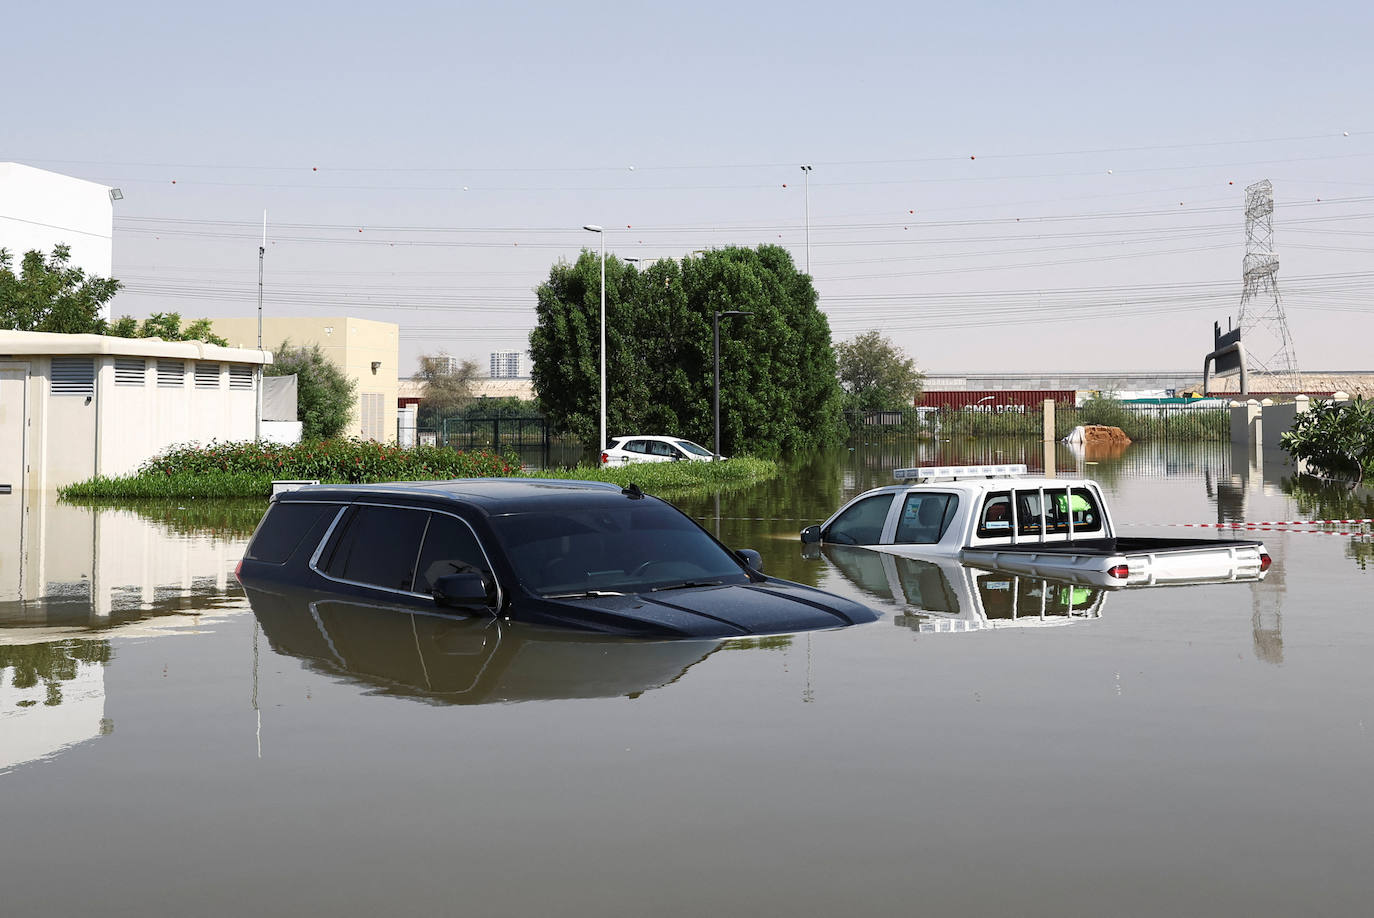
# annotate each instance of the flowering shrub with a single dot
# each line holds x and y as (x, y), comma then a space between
(247, 469)
(351, 461)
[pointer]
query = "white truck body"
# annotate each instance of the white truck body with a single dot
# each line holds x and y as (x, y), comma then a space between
(998, 517)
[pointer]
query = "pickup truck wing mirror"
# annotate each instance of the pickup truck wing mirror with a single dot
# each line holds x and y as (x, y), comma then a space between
(752, 559)
(811, 534)
(463, 590)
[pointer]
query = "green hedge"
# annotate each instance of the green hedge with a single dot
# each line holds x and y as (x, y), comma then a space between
(247, 469)
(233, 470)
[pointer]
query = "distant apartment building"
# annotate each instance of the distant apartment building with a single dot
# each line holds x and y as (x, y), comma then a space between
(368, 352)
(507, 365)
(41, 209)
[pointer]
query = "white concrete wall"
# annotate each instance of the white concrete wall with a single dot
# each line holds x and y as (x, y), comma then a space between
(70, 438)
(136, 423)
(39, 209)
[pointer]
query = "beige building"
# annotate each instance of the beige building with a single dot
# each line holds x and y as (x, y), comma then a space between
(75, 406)
(368, 352)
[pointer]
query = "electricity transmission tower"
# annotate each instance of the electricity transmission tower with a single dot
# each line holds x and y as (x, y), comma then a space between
(1263, 328)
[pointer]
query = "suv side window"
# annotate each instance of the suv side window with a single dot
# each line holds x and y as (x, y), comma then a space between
(861, 524)
(637, 446)
(925, 517)
(379, 546)
(450, 548)
(284, 528)
(995, 520)
(659, 448)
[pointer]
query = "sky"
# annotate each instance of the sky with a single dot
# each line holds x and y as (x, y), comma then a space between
(995, 186)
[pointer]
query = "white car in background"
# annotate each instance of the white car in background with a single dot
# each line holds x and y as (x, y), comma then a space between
(624, 450)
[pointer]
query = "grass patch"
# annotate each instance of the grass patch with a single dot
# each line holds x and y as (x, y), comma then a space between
(675, 477)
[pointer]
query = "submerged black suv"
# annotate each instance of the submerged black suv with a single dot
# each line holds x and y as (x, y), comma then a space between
(587, 555)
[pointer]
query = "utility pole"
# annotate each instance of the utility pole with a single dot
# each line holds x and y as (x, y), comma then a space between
(262, 253)
(806, 173)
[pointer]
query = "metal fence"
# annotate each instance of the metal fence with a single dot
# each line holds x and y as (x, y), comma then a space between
(1140, 422)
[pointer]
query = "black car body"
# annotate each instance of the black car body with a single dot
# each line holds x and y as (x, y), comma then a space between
(587, 555)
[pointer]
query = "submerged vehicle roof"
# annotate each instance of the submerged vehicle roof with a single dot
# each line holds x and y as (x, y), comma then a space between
(486, 493)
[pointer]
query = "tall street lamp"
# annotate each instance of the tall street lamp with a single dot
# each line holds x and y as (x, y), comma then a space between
(715, 335)
(593, 228)
(806, 173)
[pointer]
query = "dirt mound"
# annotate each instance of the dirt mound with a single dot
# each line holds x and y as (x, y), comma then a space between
(1101, 435)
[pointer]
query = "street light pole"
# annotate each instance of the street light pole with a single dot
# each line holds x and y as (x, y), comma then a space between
(715, 337)
(593, 228)
(257, 409)
(806, 173)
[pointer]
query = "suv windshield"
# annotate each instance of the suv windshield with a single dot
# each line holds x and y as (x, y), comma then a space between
(638, 546)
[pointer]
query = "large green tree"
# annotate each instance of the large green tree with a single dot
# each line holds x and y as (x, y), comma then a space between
(324, 395)
(49, 295)
(778, 384)
(876, 374)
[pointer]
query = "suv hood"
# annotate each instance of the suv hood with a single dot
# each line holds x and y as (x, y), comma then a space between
(729, 610)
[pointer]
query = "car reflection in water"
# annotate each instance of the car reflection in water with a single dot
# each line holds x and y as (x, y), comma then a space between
(460, 660)
(944, 595)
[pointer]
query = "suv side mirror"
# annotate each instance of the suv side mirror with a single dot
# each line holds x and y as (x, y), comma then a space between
(752, 559)
(465, 589)
(811, 534)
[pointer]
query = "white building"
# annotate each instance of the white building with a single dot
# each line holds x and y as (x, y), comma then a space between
(40, 209)
(506, 365)
(75, 406)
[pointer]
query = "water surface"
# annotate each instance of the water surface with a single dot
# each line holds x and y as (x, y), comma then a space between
(992, 745)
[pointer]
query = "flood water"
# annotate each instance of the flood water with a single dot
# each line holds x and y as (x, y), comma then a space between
(992, 745)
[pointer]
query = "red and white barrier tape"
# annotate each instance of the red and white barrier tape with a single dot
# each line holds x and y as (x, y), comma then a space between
(1248, 525)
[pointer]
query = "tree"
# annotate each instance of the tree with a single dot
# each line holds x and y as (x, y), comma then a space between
(778, 385)
(324, 395)
(877, 375)
(167, 326)
(447, 388)
(49, 295)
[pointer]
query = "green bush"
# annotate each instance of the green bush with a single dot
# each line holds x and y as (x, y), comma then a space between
(247, 469)
(233, 470)
(1334, 438)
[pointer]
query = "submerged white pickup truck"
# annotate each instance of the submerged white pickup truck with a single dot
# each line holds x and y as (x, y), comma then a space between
(996, 516)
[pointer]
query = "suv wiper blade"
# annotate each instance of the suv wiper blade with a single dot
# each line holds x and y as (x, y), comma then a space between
(685, 584)
(582, 594)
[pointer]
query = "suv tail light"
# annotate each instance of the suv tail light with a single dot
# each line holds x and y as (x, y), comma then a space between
(1119, 570)
(1265, 561)
(605, 458)
(238, 570)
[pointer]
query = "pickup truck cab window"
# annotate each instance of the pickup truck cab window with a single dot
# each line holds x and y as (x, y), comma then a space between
(925, 517)
(862, 523)
(995, 520)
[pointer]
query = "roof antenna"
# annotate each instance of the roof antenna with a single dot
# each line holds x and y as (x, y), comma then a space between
(632, 492)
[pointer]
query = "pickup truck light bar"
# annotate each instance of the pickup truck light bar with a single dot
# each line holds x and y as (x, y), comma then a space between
(959, 471)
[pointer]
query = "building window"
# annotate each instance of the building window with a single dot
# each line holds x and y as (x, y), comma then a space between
(171, 374)
(130, 371)
(240, 377)
(373, 415)
(207, 375)
(73, 376)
